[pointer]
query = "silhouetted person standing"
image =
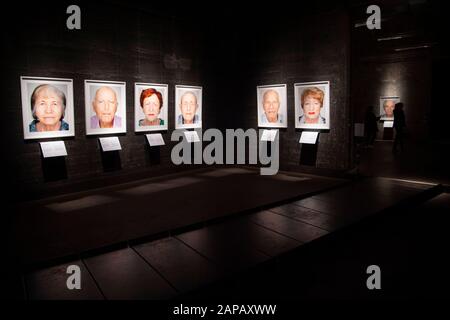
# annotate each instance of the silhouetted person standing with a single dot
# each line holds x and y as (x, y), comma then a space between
(370, 126)
(399, 126)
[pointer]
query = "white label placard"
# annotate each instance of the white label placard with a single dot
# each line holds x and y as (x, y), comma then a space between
(309, 137)
(155, 139)
(110, 144)
(359, 129)
(388, 124)
(53, 149)
(269, 135)
(191, 136)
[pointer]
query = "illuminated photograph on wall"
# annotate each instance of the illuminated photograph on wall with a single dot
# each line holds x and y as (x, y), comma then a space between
(105, 107)
(312, 105)
(272, 106)
(387, 105)
(47, 107)
(150, 107)
(188, 107)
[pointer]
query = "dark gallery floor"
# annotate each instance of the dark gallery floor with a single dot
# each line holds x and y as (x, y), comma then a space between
(229, 232)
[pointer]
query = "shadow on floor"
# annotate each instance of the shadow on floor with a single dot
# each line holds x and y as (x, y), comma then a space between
(409, 247)
(422, 161)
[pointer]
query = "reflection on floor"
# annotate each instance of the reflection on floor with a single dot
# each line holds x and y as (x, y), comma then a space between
(419, 161)
(72, 224)
(81, 203)
(281, 251)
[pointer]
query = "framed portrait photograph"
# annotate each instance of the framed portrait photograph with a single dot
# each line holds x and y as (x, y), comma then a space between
(312, 105)
(105, 107)
(272, 106)
(387, 105)
(150, 107)
(188, 107)
(47, 107)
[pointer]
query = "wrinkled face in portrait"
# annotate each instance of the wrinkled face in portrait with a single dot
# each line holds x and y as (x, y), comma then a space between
(271, 105)
(48, 107)
(151, 107)
(311, 109)
(105, 105)
(389, 106)
(188, 107)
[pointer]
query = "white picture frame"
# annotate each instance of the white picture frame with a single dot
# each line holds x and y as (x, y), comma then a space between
(92, 119)
(390, 102)
(317, 119)
(193, 93)
(140, 119)
(267, 96)
(60, 89)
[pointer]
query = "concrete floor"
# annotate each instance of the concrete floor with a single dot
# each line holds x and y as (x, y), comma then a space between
(316, 247)
(420, 161)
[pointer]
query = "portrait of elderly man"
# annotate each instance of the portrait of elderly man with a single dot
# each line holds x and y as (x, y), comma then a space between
(387, 105)
(271, 106)
(188, 107)
(48, 106)
(105, 106)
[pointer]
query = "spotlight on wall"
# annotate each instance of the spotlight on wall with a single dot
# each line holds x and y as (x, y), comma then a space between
(172, 62)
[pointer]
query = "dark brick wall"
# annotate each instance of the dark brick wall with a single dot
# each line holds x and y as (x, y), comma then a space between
(118, 42)
(406, 75)
(297, 47)
(404, 67)
(229, 53)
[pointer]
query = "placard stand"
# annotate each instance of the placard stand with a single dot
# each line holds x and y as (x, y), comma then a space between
(153, 148)
(267, 138)
(53, 155)
(388, 124)
(191, 136)
(110, 153)
(309, 146)
(388, 133)
(53, 149)
(54, 169)
(155, 140)
(309, 137)
(110, 144)
(153, 155)
(269, 135)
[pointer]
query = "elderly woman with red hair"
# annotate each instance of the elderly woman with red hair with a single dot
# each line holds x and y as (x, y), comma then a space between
(312, 103)
(151, 103)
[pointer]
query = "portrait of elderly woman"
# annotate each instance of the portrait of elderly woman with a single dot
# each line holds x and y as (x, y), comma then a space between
(105, 107)
(272, 109)
(312, 105)
(387, 105)
(188, 107)
(150, 107)
(47, 106)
